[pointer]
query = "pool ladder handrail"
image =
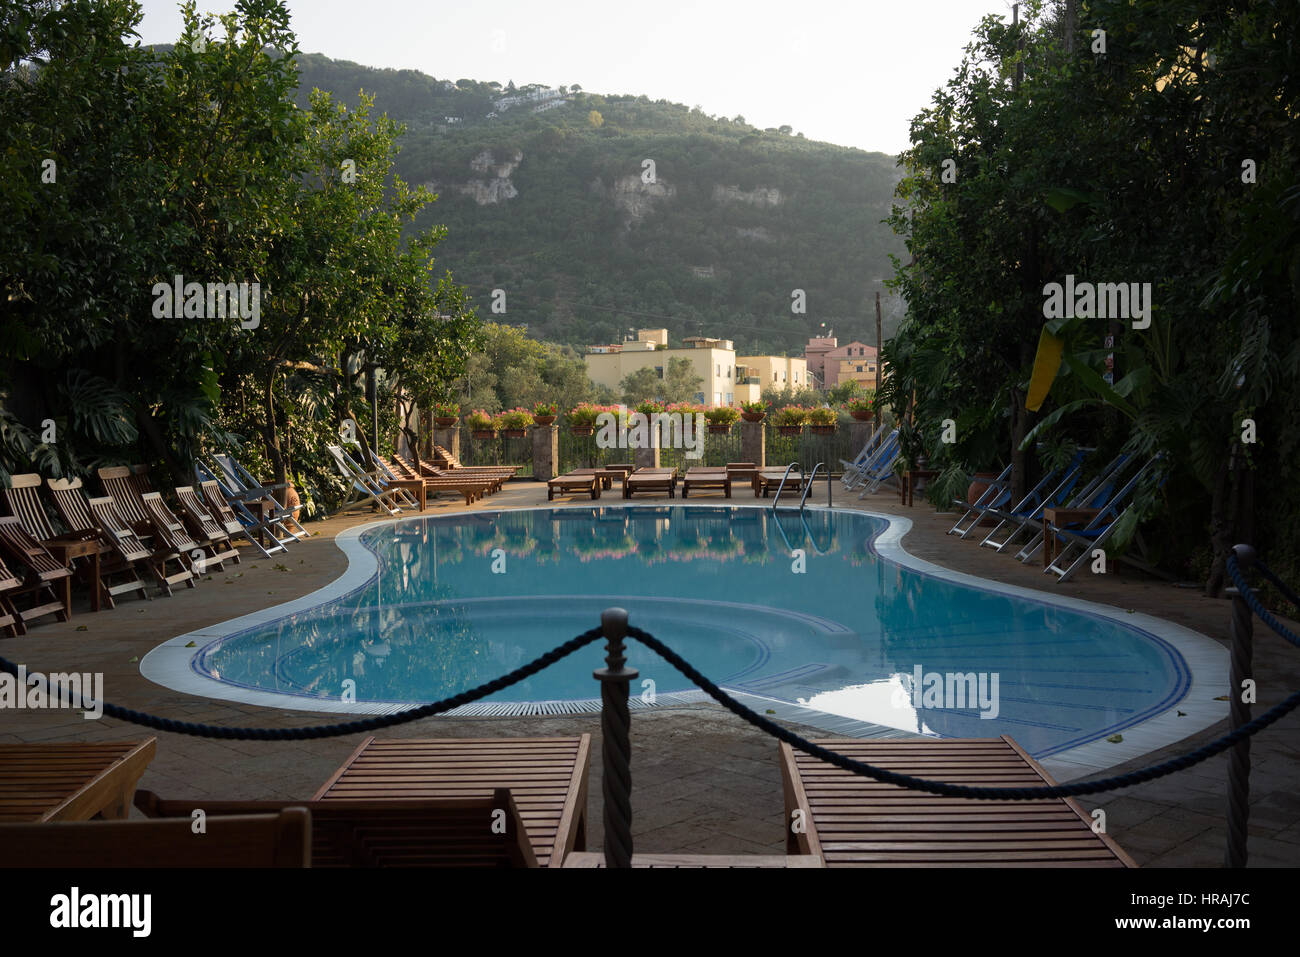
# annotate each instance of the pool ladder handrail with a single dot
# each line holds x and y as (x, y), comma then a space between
(812, 478)
(777, 497)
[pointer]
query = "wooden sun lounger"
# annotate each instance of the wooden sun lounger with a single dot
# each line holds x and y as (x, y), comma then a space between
(547, 778)
(205, 529)
(46, 578)
(446, 460)
(162, 551)
(698, 478)
(82, 548)
(767, 481)
(590, 859)
(853, 821)
(11, 623)
(585, 481)
(70, 781)
(450, 832)
(279, 839)
(651, 480)
(127, 553)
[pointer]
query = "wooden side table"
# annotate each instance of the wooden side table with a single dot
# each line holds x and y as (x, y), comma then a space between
(1061, 517)
(66, 549)
(906, 488)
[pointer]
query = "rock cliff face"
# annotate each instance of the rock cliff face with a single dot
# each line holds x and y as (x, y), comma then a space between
(634, 198)
(759, 196)
(492, 185)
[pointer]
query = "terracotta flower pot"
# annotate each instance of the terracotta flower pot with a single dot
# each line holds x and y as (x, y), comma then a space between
(514, 433)
(483, 433)
(445, 421)
(822, 429)
(789, 429)
(978, 486)
(753, 416)
(582, 429)
(544, 419)
(862, 416)
(719, 428)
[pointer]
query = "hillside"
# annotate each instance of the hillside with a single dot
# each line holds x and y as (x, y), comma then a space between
(545, 195)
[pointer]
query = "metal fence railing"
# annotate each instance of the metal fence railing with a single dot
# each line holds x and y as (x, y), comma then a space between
(497, 451)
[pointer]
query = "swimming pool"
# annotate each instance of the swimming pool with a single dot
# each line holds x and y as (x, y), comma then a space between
(819, 610)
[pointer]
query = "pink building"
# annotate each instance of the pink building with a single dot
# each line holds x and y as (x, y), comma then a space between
(815, 353)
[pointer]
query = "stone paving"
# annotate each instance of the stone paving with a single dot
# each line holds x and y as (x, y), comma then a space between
(704, 781)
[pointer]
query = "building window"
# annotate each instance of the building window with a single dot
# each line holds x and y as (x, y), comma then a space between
(728, 372)
(859, 368)
(699, 397)
(719, 372)
(731, 397)
(773, 376)
(717, 398)
(659, 371)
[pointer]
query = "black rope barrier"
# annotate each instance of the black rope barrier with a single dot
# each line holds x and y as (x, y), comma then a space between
(1251, 599)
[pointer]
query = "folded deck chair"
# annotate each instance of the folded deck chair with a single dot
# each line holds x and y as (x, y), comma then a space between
(117, 572)
(122, 557)
(45, 578)
(11, 622)
(1081, 542)
(1093, 495)
(997, 493)
(360, 487)
(412, 490)
(260, 522)
(881, 468)
(469, 831)
(1053, 489)
(853, 470)
(238, 482)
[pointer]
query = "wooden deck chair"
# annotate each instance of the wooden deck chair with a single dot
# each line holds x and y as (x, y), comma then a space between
(161, 552)
(120, 559)
(448, 832)
(473, 486)
(46, 579)
(998, 493)
(360, 488)
(445, 460)
(410, 491)
(205, 529)
(1080, 543)
(11, 623)
(1053, 489)
(238, 482)
(120, 485)
(117, 573)
(192, 554)
(280, 838)
(496, 476)
(143, 481)
(1093, 495)
(236, 518)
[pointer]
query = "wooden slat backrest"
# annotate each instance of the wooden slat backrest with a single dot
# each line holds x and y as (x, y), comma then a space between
(277, 839)
(140, 476)
(24, 500)
(110, 520)
(166, 524)
(220, 508)
(70, 501)
(28, 550)
(190, 503)
(461, 832)
(404, 469)
(118, 485)
(8, 580)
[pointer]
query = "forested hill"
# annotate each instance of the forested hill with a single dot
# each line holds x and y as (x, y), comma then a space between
(546, 198)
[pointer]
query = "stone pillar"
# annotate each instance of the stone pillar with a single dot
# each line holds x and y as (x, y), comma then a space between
(646, 458)
(546, 452)
(753, 443)
(859, 435)
(449, 439)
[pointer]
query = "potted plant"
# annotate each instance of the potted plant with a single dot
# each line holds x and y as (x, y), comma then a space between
(582, 418)
(790, 419)
(544, 413)
(446, 414)
(823, 421)
(514, 423)
(481, 425)
(753, 411)
(721, 419)
(862, 407)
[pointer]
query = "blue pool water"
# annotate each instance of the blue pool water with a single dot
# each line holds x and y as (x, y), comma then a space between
(458, 600)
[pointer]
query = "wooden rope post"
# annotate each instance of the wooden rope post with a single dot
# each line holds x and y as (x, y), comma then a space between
(616, 746)
(1242, 629)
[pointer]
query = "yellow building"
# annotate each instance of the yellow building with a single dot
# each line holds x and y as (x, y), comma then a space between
(728, 380)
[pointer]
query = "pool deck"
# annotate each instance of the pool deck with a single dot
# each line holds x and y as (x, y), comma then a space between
(703, 781)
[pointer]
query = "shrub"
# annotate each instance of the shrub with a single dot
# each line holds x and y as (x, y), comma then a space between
(723, 415)
(480, 421)
(514, 419)
(790, 415)
(823, 416)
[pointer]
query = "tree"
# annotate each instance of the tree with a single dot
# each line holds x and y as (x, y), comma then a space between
(595, 119)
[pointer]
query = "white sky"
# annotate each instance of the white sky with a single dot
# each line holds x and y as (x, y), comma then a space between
(852, 72)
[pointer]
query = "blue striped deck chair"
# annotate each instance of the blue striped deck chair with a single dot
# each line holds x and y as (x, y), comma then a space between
(253, 525)
(1093, 495)
(854, 471)
(1080, 543)
(881, 467)
(1053, 489)
(998, 493)
(237, 480)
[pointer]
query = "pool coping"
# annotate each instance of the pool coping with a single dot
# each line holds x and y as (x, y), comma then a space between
(170, 663)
